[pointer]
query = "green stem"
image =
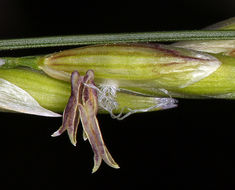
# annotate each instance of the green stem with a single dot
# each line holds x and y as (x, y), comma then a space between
(114, 38)
(28, 61)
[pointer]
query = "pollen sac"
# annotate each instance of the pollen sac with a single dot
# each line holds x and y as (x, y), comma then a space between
(83, 104)
(71, 115)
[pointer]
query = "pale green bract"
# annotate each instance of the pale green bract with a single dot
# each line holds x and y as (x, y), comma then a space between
(15, 99)
(213, 46)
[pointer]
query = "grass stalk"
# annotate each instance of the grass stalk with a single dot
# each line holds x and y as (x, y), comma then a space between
(75, 40)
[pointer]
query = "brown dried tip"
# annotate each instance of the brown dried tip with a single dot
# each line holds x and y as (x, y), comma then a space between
(83, 103)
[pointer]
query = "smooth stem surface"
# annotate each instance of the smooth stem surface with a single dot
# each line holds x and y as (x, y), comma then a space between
(25, 43)
(28, 61)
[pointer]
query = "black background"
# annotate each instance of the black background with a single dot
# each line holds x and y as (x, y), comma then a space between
(188, 147)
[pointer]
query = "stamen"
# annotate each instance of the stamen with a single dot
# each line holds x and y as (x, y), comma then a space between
(83, 103)
(88, 110)
(71, 114)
